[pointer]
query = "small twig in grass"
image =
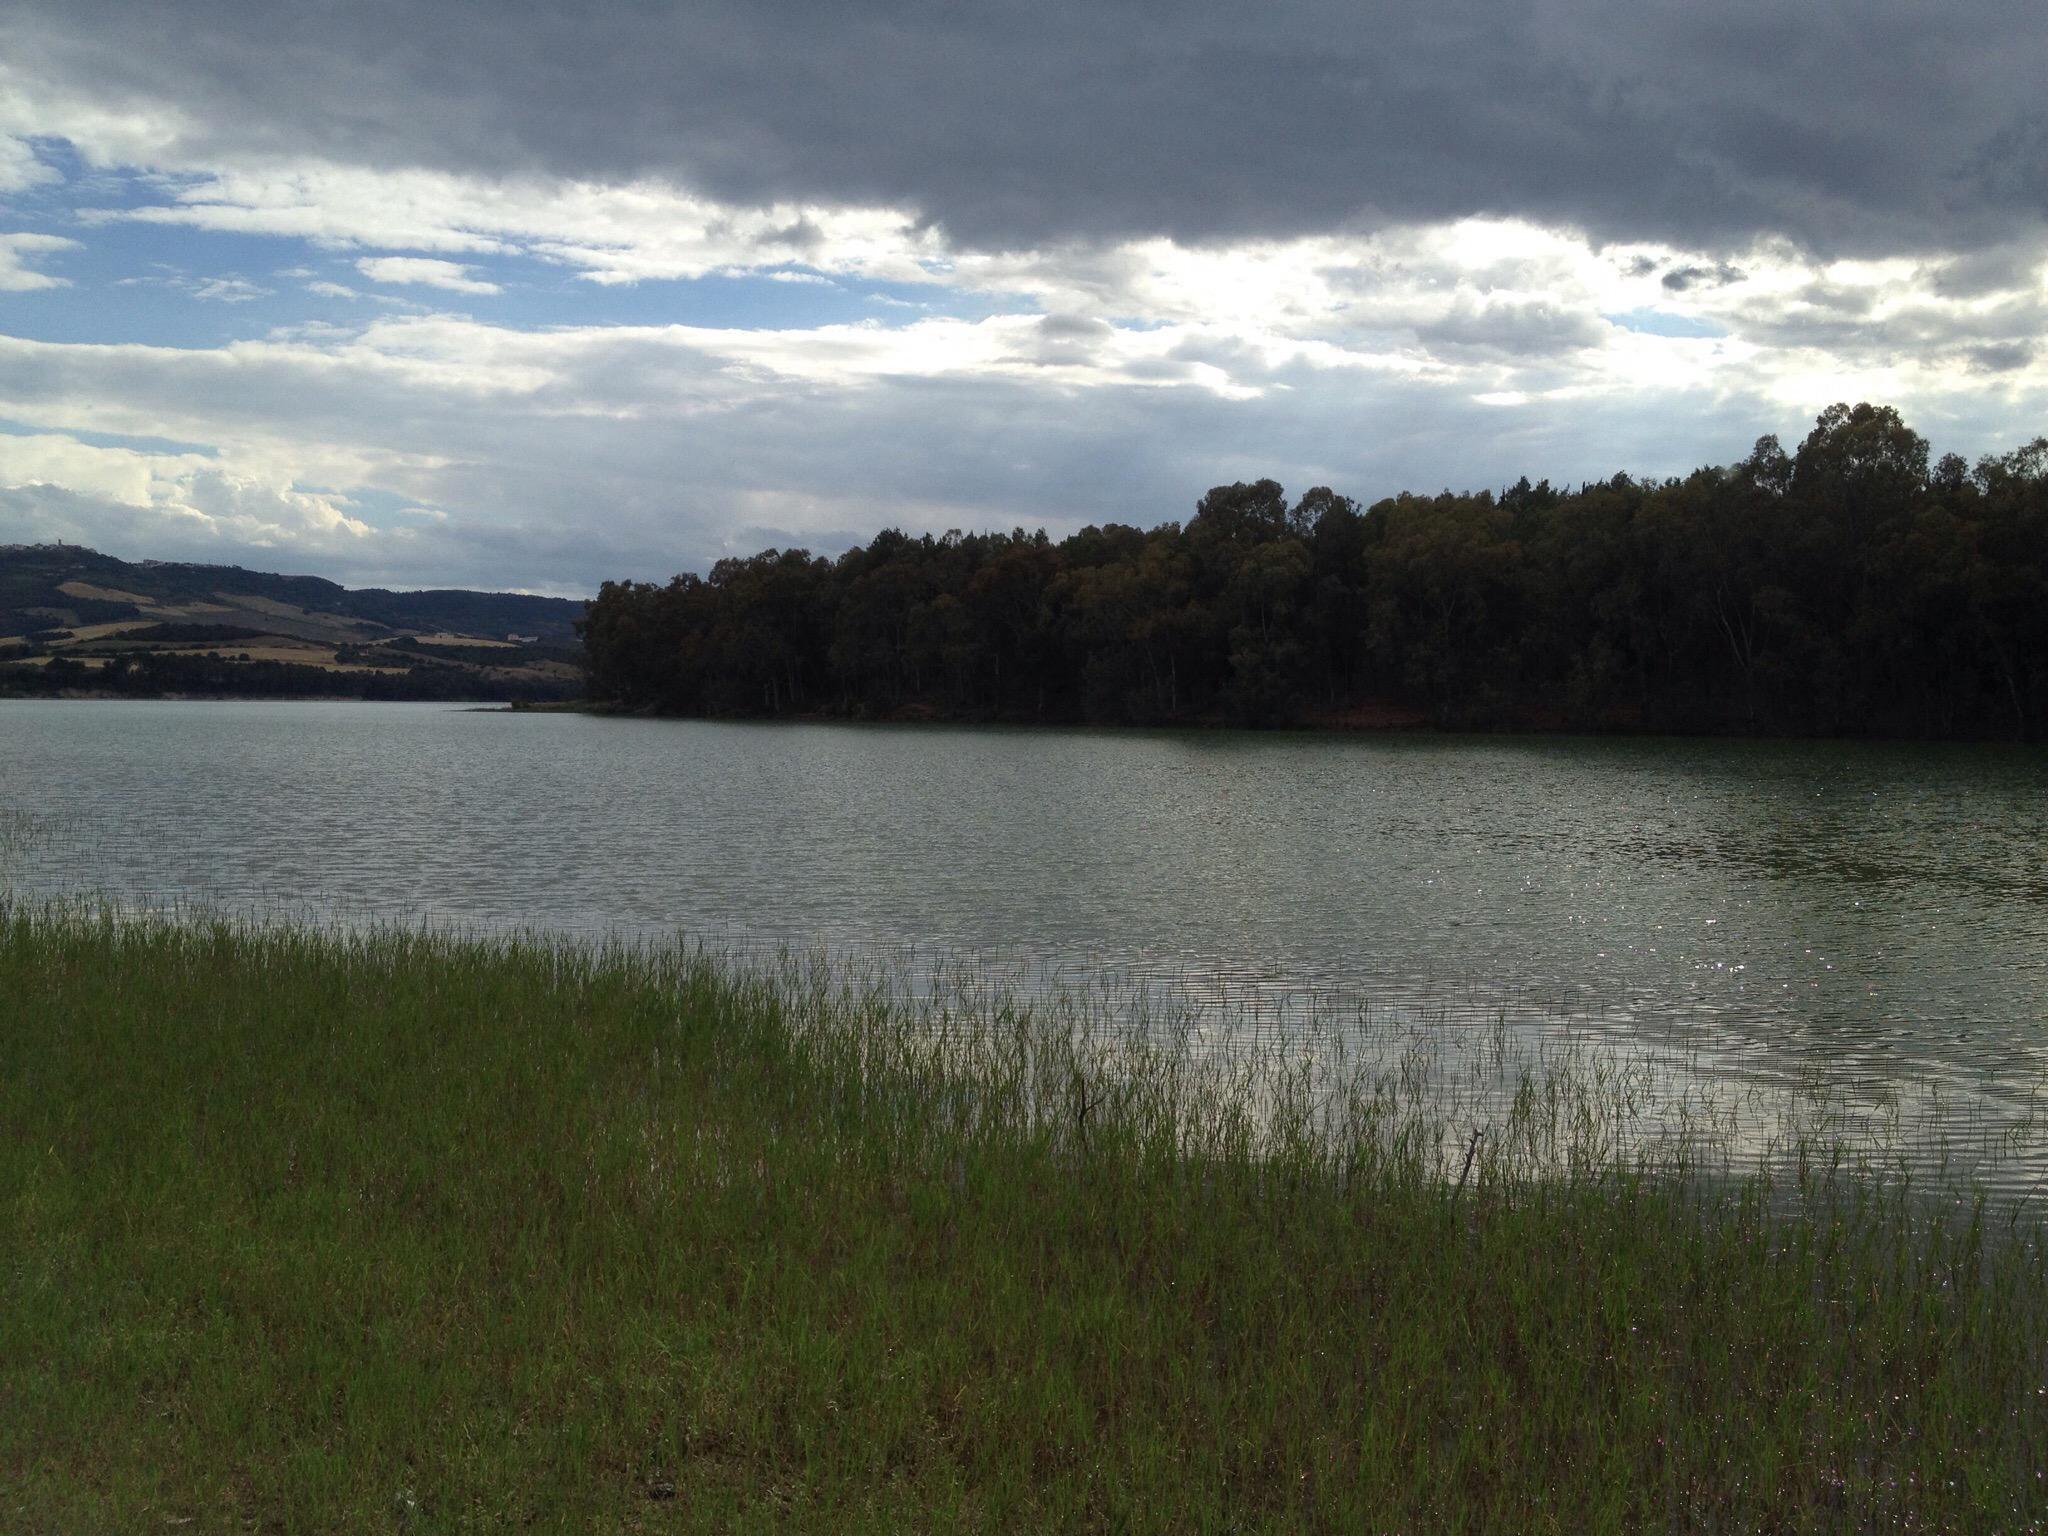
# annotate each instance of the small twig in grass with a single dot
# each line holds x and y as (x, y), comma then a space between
(1471, 1151)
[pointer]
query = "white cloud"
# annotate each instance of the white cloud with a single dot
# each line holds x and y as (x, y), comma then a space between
(611, 234)
(1498, 294)
(53, 486)
(116, 474)
(1109, 381)
(452, 275)
(17, 251)
(558, 458)
(19, 167)
(1479, 292)
(109, 128)
(228, 290)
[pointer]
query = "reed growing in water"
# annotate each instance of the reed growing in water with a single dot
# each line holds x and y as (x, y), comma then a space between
(328, 1231)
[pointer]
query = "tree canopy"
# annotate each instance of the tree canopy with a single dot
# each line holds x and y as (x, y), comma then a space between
(1847, 587)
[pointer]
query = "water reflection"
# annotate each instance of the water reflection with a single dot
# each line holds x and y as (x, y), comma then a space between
(1859, 923)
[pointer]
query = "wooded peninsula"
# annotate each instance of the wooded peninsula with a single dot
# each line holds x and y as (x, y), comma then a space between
(1848, 587)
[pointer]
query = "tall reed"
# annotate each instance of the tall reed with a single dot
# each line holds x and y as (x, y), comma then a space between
(363, 1231)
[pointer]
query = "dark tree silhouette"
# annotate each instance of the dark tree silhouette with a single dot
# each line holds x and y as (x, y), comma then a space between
(1843, 587)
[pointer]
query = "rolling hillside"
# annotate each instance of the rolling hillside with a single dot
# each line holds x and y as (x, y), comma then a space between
(72, 619)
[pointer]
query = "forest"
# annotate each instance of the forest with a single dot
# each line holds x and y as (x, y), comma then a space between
(1847, 587)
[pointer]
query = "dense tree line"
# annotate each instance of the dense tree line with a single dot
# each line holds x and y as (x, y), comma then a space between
(1850, 586)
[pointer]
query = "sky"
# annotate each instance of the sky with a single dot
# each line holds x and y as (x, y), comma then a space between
(505, 294)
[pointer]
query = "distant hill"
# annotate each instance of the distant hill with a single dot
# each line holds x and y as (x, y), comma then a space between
(73, 619)
(64, 583)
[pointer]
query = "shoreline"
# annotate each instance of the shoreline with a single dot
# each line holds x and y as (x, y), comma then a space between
(310, 1219)
(1419, 727)
(1413, 724)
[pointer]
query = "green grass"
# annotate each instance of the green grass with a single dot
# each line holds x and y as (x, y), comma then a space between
(304, 1232)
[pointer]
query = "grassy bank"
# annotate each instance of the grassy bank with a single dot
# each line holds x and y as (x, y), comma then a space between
(318, 1233)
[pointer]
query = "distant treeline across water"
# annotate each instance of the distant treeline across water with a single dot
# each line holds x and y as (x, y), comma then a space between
(1847, 587)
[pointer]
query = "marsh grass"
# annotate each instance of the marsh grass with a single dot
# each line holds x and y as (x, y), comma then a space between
(380, 1231)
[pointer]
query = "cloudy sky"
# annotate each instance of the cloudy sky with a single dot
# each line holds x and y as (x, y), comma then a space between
(530, 295)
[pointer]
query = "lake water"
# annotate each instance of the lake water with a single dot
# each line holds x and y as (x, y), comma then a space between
(1864, 923)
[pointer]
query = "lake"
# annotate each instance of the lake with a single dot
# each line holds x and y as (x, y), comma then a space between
(1865, 923)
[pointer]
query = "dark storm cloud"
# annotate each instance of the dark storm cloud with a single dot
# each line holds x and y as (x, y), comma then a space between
(1071, 328)
(1850, 125)
(1679, 279)
(2002, 356)
(1995, 269)
(1065, 340)
(1850, 325)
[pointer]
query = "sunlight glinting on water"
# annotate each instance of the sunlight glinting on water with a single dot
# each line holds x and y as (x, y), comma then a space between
(1764, 941)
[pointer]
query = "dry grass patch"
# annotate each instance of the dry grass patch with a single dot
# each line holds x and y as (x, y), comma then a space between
(297, 654)
(86, 590)
(86, 633)
(448, 637)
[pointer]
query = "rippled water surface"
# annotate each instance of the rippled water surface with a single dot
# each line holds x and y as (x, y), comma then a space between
(1871, 919)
